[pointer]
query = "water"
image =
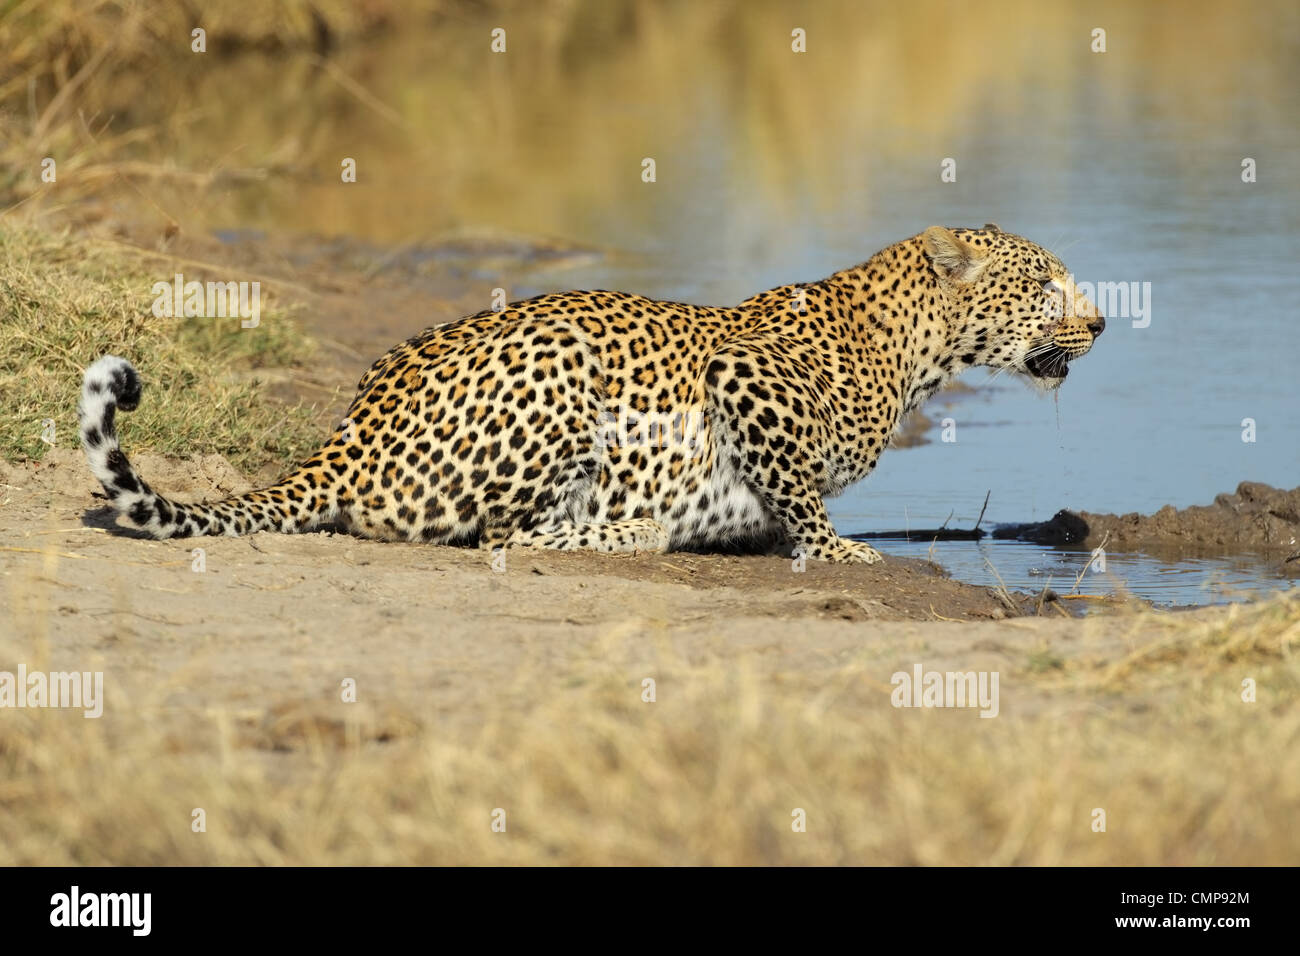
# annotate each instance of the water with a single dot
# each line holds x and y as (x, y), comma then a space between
(774, 167)
(1022, 566)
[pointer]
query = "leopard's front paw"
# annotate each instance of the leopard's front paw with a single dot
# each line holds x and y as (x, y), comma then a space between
(844, 551)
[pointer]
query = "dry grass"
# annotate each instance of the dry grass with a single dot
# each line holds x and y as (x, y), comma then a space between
(1267, 633)
(49, 41)
(71, 72)
(65, 301)
(589, 774)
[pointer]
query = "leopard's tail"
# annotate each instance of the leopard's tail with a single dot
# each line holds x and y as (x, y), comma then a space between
(293, 504)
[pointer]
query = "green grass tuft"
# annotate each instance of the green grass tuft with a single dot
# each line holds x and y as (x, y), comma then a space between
(67, 300)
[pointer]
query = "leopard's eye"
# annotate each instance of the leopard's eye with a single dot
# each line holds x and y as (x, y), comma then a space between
(1054, 299)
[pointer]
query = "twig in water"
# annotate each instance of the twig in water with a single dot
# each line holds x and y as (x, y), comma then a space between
(1091, 558)
(982, 510)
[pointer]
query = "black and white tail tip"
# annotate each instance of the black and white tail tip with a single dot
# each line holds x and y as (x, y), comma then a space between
(110, 384)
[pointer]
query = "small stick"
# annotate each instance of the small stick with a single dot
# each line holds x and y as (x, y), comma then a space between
(986, 504)
(1091, 558)
(955, 620)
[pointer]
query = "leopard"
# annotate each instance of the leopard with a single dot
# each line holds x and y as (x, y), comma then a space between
(616, 423)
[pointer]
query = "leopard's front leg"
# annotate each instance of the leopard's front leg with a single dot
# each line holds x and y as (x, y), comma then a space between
(802, 514)
(756, 392)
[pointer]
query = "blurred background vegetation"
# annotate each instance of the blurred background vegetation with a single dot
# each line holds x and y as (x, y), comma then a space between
(446, 133)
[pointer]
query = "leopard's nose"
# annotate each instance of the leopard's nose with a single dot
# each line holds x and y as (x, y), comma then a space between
(1097, 326)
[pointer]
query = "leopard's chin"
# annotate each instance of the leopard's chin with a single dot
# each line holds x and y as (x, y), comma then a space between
(1045, 383)
(1047, 369)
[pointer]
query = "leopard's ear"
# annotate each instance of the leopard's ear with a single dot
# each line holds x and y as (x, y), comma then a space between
(992, 227)
(953, 259)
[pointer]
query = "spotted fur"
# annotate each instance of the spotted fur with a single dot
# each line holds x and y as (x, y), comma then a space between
(503, 428)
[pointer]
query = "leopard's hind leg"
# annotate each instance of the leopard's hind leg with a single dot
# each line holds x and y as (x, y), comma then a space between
(615, 537)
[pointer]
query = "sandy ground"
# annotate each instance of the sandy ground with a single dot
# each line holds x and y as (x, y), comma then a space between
(268, 611)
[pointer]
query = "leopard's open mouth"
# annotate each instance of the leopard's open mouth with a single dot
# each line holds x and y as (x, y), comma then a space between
(1052, 362)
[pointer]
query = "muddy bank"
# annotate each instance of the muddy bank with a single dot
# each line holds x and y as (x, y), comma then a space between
(1257, 517)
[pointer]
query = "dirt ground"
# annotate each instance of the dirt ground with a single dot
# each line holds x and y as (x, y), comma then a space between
(270, 591)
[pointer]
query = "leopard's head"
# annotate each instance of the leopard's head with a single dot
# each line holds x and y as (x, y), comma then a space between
(1011, 303)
